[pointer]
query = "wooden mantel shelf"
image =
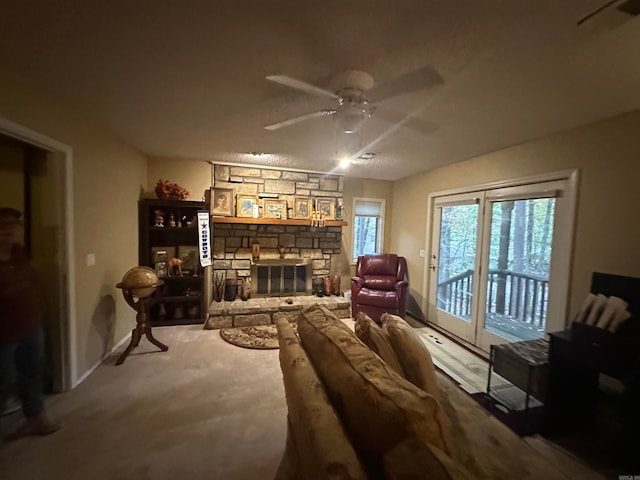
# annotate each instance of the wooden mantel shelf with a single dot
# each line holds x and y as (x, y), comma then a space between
(275, 221)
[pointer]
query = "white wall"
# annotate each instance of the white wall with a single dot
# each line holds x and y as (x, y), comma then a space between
(607, 239)
(193, 175)
(107, 176)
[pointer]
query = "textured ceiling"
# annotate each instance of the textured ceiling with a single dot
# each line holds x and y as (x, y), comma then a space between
(187, 78)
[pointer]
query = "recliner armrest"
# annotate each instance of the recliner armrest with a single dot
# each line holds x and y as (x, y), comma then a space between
(356, 284)
(401, 286)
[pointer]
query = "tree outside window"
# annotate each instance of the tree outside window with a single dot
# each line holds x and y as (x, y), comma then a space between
(368, 222)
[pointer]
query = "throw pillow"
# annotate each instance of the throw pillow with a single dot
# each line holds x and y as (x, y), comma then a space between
(378, 407)
(412, 353)
(376, 339)
(585, 309)
(596, 309)
(320, 441)
(418, 367)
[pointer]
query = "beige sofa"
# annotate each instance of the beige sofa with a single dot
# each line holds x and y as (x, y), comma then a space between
(369, 405)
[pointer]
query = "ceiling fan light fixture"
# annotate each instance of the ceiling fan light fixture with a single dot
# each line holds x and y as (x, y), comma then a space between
(351, 115)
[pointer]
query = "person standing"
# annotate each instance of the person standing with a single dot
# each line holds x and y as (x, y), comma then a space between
(21, 315)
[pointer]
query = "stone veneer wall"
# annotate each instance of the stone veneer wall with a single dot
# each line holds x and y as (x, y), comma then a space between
(232, 242)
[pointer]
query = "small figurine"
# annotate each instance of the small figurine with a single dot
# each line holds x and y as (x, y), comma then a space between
(172, 220)
(174, 267)
(159, 218)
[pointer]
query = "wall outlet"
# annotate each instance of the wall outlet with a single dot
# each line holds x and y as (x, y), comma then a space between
(421, 253)
(91, 259)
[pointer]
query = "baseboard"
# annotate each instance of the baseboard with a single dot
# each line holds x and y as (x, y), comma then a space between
(90, 370)
(459, 341)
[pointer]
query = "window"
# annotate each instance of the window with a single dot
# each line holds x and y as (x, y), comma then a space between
(368, 226)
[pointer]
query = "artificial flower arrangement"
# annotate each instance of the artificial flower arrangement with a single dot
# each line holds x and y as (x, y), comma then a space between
(165, 189)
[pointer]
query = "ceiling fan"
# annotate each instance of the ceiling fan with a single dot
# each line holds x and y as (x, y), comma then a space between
(355, 95)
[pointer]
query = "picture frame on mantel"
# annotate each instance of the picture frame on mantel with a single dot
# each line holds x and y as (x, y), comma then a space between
(245, 204)
(328, 207)
(222, 202)
(275, 208)
(302, 207)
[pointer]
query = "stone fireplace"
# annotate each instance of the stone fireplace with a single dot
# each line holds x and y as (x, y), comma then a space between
(292, 252)
(314, 250)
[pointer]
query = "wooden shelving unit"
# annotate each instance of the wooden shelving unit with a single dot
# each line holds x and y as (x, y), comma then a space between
(179, 296)
(275, 221)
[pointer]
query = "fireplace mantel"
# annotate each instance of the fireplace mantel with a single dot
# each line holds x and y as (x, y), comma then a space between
(275, 221)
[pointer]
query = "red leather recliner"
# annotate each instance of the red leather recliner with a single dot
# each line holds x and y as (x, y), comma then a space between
(380, 285)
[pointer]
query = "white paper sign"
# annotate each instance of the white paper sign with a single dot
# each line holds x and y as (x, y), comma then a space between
(204, 237)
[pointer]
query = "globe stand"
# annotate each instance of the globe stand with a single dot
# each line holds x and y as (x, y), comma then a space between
(143, 327)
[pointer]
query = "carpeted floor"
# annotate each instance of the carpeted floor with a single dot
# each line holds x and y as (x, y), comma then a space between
(204, 409)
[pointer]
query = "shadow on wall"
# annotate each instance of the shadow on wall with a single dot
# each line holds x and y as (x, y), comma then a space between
(103, 321)
(413, 308)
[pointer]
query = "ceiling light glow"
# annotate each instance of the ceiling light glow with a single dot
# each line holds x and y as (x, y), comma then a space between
(344, 162)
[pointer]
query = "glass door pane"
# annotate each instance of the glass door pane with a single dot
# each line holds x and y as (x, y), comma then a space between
(456, 259)
(517, 289)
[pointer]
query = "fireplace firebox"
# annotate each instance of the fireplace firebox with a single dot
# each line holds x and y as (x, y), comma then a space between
(281, 277)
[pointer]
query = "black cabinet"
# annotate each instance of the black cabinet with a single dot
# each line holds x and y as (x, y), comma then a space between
(168, 230)
(593, 399)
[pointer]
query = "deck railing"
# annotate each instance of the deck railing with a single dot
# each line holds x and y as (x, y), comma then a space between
(520, 296)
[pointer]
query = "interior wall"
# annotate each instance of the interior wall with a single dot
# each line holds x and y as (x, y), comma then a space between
(107, 175)
(196, 176)
(607, 232)
(11, 174)
(362, 187)
(193, 175)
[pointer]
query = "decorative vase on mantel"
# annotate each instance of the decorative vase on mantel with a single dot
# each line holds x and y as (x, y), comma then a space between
(255, 252)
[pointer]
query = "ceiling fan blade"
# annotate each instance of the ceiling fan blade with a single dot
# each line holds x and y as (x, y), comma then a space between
(291, 121)
(303, 86)
(410, 121)
(424, 77)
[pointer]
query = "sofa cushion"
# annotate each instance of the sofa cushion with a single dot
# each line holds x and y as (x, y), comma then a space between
(418, 368)
(378, 407)
(289, 467)
(409, 460)
(412, 353)
(376, 339)
(320, 441)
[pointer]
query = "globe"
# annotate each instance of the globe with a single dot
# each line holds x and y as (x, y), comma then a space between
(140, 281)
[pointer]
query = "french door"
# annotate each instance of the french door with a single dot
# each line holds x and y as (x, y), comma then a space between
(499, 262)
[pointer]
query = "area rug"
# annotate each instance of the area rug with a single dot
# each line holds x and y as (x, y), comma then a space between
(260, 337)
